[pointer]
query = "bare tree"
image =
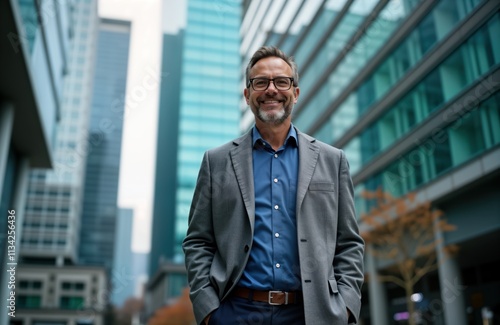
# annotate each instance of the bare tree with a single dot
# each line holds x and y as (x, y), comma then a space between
(402, 231)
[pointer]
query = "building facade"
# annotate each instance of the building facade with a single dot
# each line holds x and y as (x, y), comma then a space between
(123, 279)
(34, 63)
(69, 295)
(409, 90)
(100, 199)
(54, 197)
(199, 103)
(163, 224)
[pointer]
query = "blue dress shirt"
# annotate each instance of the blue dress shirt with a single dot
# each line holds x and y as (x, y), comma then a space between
(273, 263)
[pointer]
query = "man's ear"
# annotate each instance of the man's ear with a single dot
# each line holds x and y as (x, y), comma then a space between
(297, 92)
(246, 93)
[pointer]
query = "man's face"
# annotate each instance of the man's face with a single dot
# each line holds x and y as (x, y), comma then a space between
(271, 106)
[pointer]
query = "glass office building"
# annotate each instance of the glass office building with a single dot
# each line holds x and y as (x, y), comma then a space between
(199, 110)
(33, 65)
(100, 210)
(409, 90)
(208, 115)
(54, 197)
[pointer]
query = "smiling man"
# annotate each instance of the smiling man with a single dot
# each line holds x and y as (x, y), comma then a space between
(272, 236)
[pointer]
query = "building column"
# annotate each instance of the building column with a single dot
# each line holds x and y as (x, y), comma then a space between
(452, 290)
(19, 198)
(18, 205)
(6, 123)
(376, 292)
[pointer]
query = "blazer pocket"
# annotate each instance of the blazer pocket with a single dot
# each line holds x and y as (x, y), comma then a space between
(333, 286)
(322, 186)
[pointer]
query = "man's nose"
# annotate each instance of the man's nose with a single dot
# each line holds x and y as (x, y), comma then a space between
(273, 89)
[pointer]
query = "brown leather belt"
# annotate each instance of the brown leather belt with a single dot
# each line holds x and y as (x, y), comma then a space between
(271, 297)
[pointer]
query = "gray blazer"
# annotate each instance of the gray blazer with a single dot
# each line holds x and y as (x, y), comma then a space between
(221, 225)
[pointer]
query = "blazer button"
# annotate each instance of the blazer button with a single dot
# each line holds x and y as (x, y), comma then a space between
(246, 248)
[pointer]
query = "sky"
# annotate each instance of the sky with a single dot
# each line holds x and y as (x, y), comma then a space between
(137, 169)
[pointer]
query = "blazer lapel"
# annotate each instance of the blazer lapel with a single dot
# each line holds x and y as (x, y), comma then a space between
(308, 156)
(241, 158)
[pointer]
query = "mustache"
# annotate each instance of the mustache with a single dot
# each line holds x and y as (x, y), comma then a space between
(267, 97)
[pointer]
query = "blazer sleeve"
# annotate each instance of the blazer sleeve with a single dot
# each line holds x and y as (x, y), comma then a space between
(348, 261)
(199, 246)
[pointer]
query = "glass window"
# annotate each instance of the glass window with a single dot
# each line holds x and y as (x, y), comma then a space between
(426, 35)
(67, 302)
(440, 159)
(462, 140)
(29, 17)
(369, 143)
(357, 56)
(442, 85)
(26, 301)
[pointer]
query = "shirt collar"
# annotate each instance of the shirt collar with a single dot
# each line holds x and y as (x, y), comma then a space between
(291, 138)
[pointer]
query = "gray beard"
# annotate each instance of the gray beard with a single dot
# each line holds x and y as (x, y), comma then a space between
(276, 119)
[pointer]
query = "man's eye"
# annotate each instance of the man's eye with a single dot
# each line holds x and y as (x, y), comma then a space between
(260, 83)
(281, 82)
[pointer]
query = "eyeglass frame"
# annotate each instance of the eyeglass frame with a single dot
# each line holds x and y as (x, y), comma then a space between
(250, 83)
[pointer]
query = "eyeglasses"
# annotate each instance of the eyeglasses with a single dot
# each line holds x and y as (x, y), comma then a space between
(281, 83)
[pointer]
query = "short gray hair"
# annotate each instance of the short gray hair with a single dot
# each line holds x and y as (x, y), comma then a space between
(272, 51)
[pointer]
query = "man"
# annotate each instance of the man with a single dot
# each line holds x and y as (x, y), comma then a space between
(272, 236)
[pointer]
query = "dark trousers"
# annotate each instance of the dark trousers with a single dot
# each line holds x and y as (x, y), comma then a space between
(241, 311)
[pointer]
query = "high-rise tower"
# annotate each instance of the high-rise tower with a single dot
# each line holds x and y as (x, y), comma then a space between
(54, 201)
(100, 210)
(199, 109)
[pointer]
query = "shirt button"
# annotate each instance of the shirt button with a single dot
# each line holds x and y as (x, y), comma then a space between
(276, 235)
(275, 180)
(275, 155)
(276, 207)
(278, 265)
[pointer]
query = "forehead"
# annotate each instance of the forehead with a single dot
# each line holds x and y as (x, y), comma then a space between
(273, 66)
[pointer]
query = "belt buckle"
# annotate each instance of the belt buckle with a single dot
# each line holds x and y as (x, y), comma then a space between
(270, 297)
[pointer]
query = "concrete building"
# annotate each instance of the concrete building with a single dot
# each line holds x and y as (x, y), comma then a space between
(198, 110)
(163, 289)
(409, 90)
(68, 295)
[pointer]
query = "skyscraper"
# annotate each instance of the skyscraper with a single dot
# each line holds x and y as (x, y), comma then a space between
(122, 276)
(54, 201)
(164, 205)
(409, 90)
(98, 220)
(199, 109)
